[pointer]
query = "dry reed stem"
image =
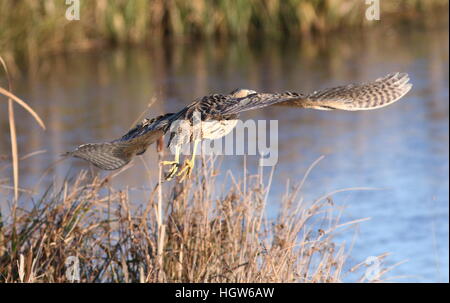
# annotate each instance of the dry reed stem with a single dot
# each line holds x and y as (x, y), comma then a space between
(24, 105)
(13, 136)
(12, 128)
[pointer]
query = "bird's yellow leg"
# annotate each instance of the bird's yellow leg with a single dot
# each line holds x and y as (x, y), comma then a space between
(175, 164)
(188, 164)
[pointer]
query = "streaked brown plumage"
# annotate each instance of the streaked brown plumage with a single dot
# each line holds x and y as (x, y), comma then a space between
(224, 109)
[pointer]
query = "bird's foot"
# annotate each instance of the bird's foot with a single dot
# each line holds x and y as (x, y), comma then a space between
(173, 170)
(186, 171)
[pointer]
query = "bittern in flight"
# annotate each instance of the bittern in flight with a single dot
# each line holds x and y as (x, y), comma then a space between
(221, 112)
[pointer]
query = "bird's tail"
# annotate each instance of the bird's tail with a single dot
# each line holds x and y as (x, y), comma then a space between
(106, 156)
(115, 154)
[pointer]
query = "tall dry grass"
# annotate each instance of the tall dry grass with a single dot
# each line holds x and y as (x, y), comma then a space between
(194, 231)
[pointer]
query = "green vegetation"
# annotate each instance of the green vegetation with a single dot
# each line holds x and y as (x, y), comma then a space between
(31, 28)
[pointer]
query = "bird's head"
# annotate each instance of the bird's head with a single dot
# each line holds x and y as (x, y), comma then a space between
(242, 92)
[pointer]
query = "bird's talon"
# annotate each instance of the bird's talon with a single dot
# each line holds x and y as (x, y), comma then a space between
(186, 171)
(173, 170)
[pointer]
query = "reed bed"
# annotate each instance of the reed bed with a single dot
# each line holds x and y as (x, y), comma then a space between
(195, 231)
(29, 29)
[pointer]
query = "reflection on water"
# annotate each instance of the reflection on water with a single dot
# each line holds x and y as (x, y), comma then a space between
(402, 148)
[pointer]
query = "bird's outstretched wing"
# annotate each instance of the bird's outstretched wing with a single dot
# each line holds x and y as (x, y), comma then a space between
(117, 153)
(364, 96)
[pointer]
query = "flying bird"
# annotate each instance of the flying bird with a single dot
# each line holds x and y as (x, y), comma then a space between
(219, 113)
